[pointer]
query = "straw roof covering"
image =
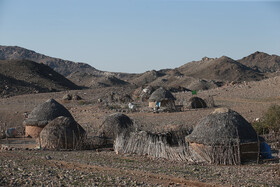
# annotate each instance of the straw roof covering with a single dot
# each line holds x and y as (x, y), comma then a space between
(45, 112)
(115, 124)
(223, 126)
(197, 102)
(161, 94)
(62, 133)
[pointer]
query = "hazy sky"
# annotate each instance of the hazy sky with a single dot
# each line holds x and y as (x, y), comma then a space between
(141, 35)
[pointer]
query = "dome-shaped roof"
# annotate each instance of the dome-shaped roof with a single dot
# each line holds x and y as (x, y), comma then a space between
(61, 133)
(223, 126)
(161, 94)
(114, 124)
(45, 112)
(197, 102)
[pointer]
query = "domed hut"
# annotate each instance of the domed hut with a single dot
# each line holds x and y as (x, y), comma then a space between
(146, 93)
(162, 98)
(62, 133)
(223, 137)
(41, 115)
(113, 125)
(197, 102)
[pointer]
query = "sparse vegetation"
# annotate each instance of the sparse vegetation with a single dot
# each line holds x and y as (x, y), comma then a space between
(100, 165)
(270, 122)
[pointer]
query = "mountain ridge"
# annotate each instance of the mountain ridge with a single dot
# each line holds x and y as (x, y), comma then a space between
(19, 77)
(207, 73)
(19, 53)
(262, 62)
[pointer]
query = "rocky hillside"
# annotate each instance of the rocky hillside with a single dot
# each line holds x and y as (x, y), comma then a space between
(81, 74)
(207, 73)
(64, 67)
(262, 62)
(23, 77)
(220, 69)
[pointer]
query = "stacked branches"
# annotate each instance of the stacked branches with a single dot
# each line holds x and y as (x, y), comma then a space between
(170, 145)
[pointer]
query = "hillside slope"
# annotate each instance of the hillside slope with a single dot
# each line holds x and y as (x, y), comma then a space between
(204, 74)
(81, 74)
(262, 62)
(64, 67)
(220, 69)
(23, 76)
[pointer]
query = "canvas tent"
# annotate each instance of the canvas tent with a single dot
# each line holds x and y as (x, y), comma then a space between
(42, 115)
(162, 98)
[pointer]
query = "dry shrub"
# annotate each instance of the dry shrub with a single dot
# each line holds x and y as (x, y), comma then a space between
(270, 122)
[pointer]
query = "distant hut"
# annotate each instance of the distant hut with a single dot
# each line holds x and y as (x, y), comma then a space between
(196, 102)
(67, 97)
(146, 93)
(62, 133)
(41, 115)
(76, 97)
(162, 98)
(113, 125)
(223, 137)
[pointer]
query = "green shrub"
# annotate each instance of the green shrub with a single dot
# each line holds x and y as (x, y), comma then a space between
(260, 127)
(270, 121)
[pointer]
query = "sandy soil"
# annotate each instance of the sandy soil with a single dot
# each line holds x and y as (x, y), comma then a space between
(19, 167)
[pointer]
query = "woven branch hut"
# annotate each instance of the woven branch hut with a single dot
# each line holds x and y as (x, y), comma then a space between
(196, 102)
(164, 97)
(113, 125)
(169, 145)
(223, 137)
(62, 133)
(41, 115)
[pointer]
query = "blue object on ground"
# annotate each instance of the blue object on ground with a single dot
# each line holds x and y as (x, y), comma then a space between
(265, 151)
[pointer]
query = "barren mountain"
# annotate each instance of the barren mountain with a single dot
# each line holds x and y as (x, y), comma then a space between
(79, 73)
(220, 69)
(262, 62)
(207, 73)
(147, 77)
(64, 67)
(23, 76)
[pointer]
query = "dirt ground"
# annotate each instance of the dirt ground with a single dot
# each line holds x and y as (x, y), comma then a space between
(104, 167)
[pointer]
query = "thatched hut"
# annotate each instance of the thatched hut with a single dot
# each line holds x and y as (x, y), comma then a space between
(162, 98)
(196, 102)
(146, 93)
(62, 133)
(113, 125)
(41, 115)
(223, 137)
(71, 97)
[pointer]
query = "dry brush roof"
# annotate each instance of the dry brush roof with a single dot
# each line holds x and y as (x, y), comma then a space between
(115, 124)
(45, 112)
(224, 126)
(161, 94)
(197, 102)
(61, 133)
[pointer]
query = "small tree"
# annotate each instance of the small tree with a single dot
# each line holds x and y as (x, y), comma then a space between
(270, 121)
